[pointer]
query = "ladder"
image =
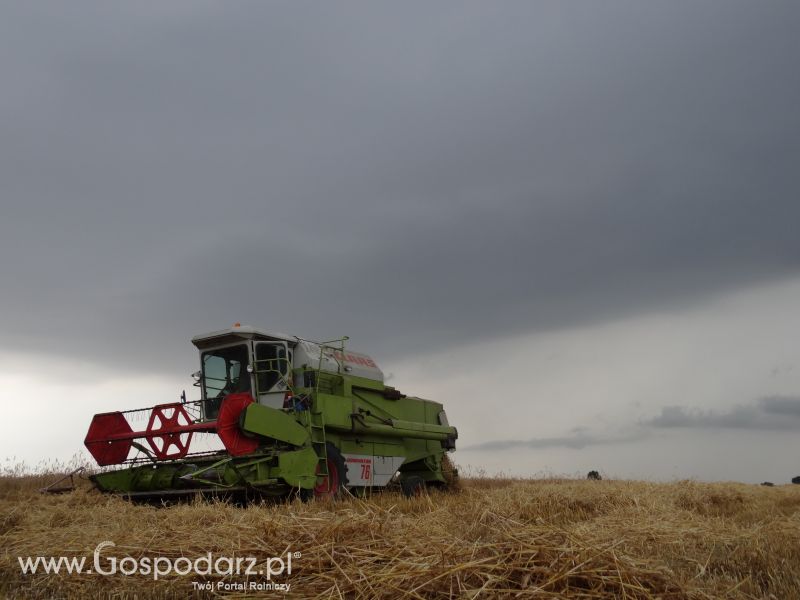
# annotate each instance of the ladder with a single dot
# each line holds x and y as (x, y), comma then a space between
(317, 428)
(316, 416)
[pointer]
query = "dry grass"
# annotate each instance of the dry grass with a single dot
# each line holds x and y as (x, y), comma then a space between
(496, 538)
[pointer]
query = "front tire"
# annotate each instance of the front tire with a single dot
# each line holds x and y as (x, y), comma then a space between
(413, 486)
(330, 486)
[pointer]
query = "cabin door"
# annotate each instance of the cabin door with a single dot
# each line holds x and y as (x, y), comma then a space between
(271, 366)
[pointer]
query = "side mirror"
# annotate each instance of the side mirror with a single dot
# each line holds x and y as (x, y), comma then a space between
(196, 375)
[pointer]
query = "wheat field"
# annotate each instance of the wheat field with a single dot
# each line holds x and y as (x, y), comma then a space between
(494, 538)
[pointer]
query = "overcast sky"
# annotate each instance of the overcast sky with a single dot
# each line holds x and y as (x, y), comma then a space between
(575, 224)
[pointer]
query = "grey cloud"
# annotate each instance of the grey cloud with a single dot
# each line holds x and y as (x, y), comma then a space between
(781, 405)
(411, 175)
(575, 440)
(679, 416)
(768, 413)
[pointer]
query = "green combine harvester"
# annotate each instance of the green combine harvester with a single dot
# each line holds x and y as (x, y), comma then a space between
(295, 417)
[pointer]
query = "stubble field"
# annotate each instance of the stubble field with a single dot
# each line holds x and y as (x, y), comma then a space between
(494, 538)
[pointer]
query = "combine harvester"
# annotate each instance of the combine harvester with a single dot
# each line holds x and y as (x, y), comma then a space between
(294, 416)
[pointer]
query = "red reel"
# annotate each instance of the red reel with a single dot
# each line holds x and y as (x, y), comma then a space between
(164, 431)
(100, 438)
(169, 431)
(236, 442)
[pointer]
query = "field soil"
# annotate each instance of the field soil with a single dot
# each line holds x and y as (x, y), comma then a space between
(495, 538)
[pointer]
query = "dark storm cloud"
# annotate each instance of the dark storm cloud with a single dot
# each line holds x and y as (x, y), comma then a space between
(771, 413)
(412, 175)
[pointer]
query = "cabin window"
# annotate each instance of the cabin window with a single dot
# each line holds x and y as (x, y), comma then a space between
(224, 372)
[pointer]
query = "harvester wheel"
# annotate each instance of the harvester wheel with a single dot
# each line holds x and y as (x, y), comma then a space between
(331, 485)
(413, 486)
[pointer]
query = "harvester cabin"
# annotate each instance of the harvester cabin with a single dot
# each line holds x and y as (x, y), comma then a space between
(266, 364)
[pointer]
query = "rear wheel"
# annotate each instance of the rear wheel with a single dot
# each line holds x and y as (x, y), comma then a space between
(330, 485)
